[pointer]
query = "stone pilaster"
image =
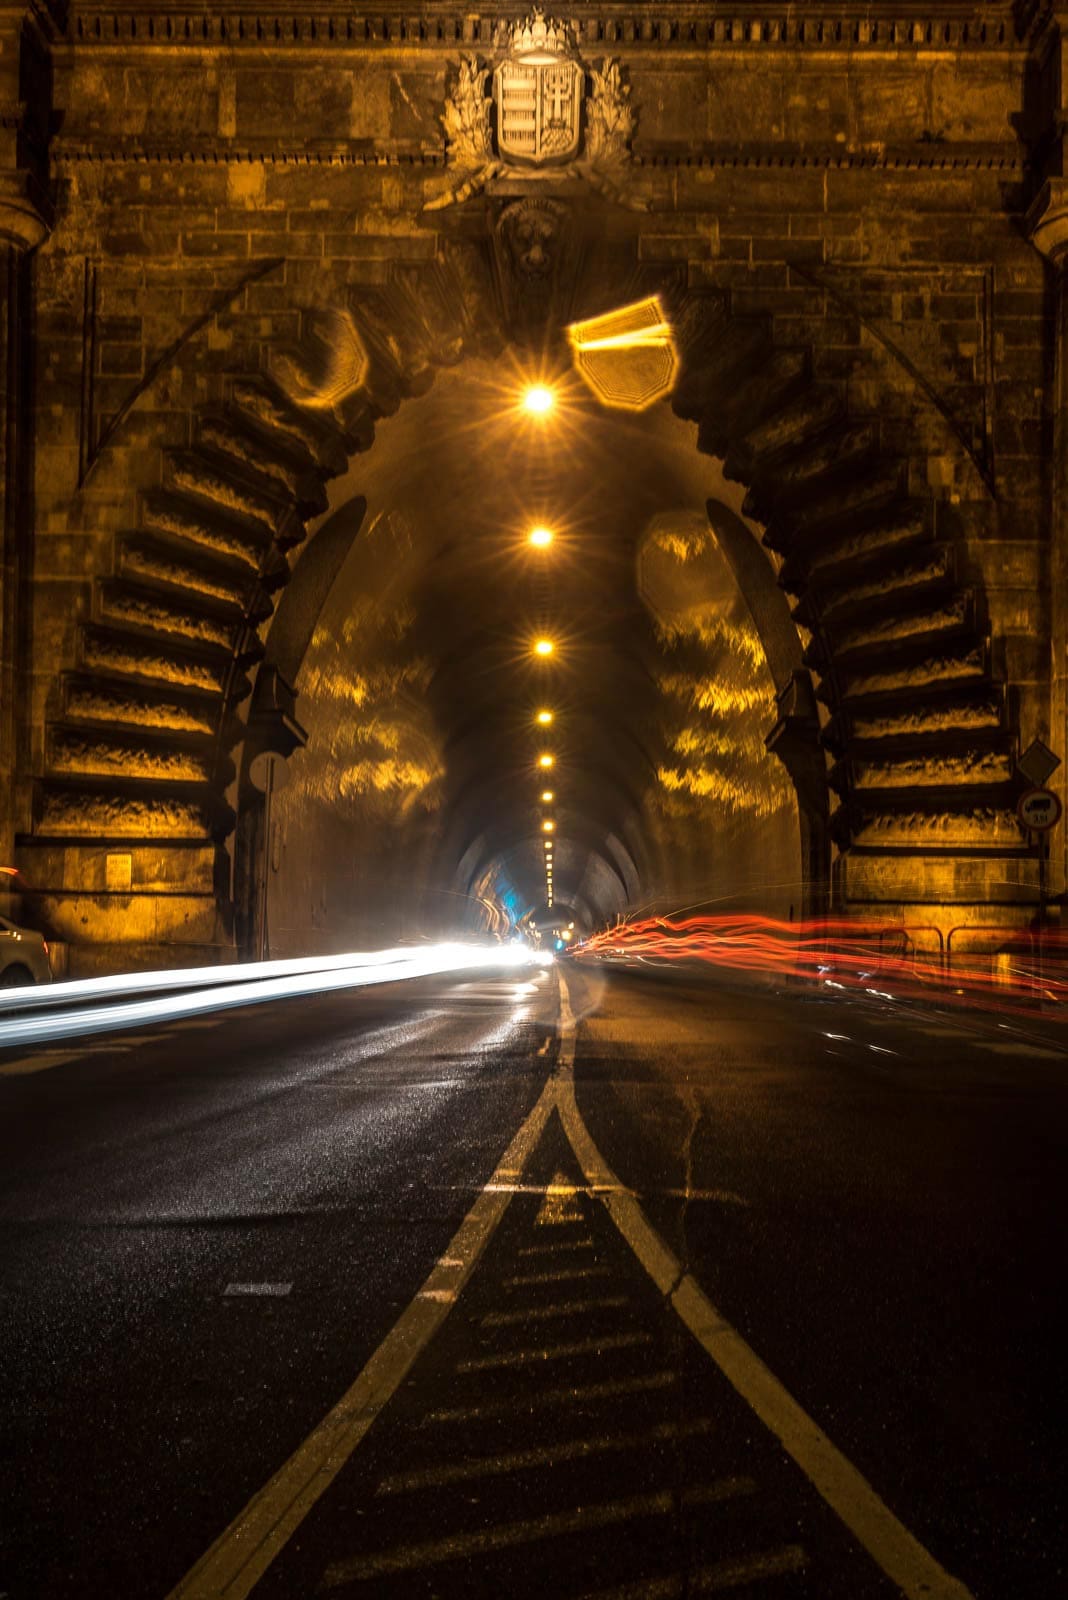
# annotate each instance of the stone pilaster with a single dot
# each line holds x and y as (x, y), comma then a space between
(26, 34)
(1048, 225)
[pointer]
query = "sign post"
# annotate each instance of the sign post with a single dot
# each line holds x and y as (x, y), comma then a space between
(1039, 810)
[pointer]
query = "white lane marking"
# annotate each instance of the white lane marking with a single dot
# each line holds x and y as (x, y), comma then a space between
(243, 1551)
(566, 1308)
(461, 1546)
(890, 1544)
(537, 1355)
(275, 1290)
(548, 1456)
(570, 1395)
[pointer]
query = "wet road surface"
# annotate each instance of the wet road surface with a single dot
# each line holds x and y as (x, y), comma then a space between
(209, 1231)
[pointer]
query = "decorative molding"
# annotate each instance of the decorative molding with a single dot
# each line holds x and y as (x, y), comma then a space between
(922, 158)
(539, 123)
(848, 27)
(1009, 159)
(70, 152)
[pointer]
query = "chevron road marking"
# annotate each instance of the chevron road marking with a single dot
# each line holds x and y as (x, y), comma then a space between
(240, 1556)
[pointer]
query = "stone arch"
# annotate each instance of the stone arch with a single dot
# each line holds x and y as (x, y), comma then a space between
(915, 720)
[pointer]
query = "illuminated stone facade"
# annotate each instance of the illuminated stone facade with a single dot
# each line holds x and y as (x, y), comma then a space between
(855, 218)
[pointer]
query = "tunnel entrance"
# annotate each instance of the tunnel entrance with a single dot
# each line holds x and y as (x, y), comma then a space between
(419, 803)
(743, 569)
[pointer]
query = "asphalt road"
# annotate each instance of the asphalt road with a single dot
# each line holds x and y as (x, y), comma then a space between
(208, 1231)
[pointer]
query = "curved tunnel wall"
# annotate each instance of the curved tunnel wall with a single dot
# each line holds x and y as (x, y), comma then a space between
(413, 807)
(139, 739)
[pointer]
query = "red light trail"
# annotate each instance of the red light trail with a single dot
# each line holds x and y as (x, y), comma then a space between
(848, 954)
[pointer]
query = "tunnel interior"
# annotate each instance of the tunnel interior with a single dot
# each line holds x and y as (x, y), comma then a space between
(419, 805)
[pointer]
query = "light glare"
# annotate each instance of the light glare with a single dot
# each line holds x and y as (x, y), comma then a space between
(538, 400)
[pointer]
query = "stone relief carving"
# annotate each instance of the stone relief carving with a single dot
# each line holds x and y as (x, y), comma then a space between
(610, 117)
(466, 118)
(536, 121)
(531, 232)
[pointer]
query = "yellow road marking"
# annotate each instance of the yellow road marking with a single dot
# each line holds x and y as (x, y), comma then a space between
(560, 1204)
(461, 1546)
(568, 1308)
(243, 1551)
(538, 1354)
(529, 1280)
(555, 1245)
(22, 1066)
(710, 1580)
(890, 1544)
(547, 1456)
(568, 1395)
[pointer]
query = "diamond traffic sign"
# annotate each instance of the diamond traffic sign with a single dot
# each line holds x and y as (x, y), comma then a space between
(1038, 762)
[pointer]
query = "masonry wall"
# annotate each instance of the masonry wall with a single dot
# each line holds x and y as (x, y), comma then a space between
(860, 184)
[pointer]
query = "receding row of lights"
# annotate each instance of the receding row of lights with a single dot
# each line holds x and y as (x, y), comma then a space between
(538, 401)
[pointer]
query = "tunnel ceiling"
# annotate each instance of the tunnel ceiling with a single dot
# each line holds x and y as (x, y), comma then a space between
(442, 598)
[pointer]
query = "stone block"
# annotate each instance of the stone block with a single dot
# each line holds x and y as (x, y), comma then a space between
(234, 246)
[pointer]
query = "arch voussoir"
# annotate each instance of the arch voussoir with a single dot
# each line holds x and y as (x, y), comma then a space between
(919, 727)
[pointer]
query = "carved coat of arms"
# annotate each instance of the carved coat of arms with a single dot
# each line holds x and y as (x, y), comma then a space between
(538, 94)
(538, 113)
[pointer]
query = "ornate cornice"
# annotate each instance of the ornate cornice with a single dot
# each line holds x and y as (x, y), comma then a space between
(320, 23)
(926, 159)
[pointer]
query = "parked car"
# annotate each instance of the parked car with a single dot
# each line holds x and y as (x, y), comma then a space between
(23, 956)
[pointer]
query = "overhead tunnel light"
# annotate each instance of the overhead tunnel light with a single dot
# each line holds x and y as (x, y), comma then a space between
(545, 761)
(541, 537)
(547, 827)
(544, 717)
(538, 400)
(547, 795)
(543, 647)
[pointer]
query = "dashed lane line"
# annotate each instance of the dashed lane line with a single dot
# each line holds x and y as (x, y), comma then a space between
(548, 1456)
(462, 1546)
(890, 1544)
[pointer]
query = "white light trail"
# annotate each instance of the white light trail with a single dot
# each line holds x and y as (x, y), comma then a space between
(71, 1011)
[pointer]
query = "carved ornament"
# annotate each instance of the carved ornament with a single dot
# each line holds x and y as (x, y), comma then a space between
(538, 117)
